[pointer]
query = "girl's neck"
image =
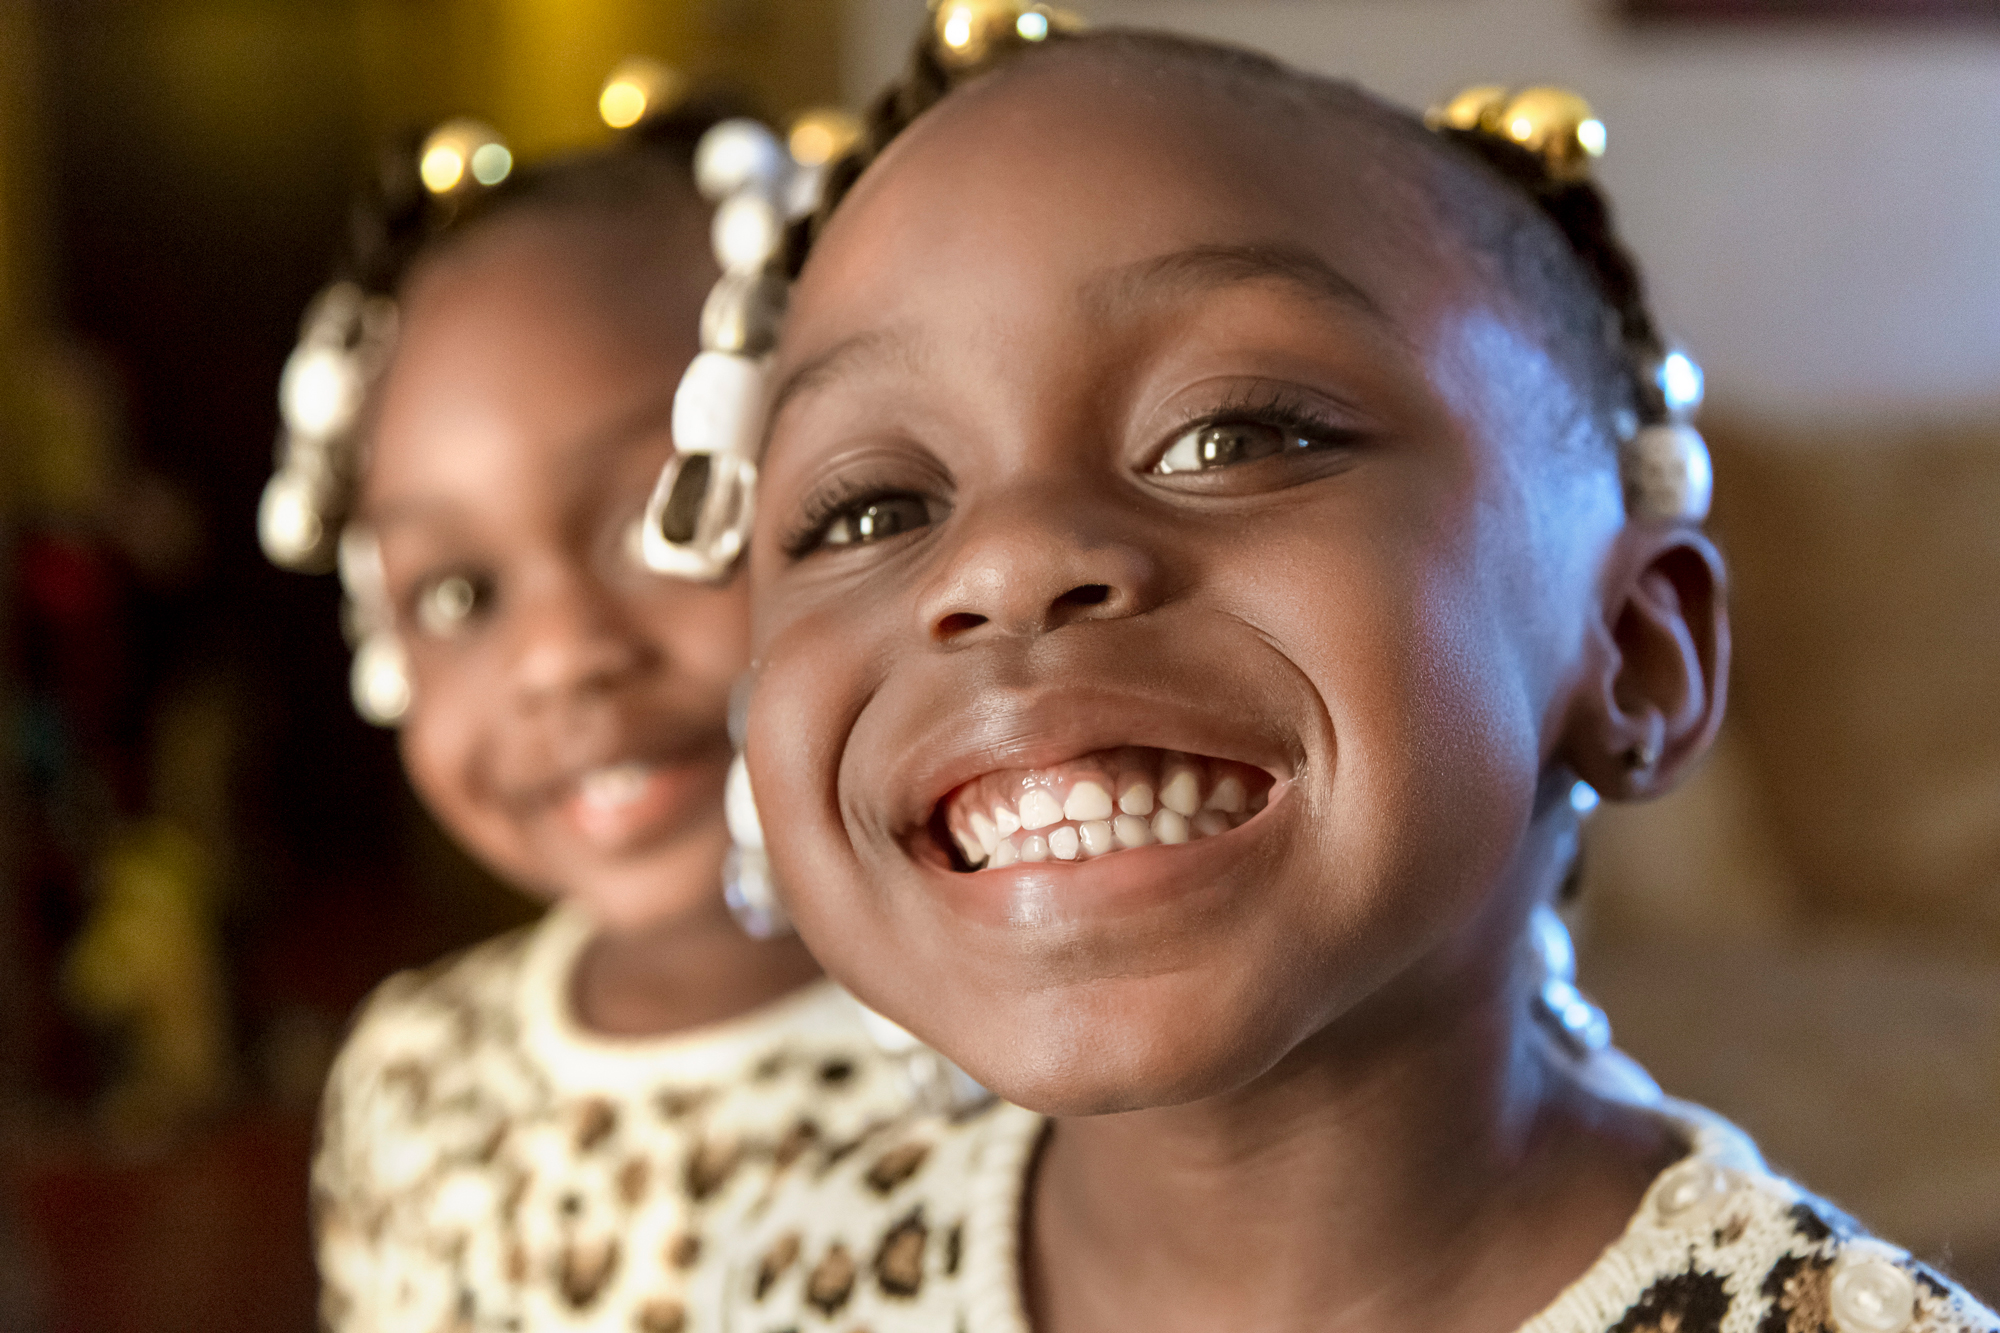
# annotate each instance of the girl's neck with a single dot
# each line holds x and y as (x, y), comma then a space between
(1449, 1178)
(682, 974)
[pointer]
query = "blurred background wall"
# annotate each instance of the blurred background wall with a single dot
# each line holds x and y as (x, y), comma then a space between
(205, 859)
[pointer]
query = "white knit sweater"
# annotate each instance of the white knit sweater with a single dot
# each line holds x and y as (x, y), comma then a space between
(486, 1163)
(916, 1232)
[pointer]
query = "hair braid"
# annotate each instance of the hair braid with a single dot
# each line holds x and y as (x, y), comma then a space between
(924, 83)
(1583, 215)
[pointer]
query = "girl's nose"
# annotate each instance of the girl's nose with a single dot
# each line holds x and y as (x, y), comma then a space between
(574, 638)
(1035, 562)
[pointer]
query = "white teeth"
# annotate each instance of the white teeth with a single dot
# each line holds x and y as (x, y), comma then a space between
(1087, 801)
(1039, 810)
(1181, 792)
(1166, 808)
(1137, 799)
(1228, 796)
(1131, 831)
(982, 829)
(613, 786)
(1210, 822)
(969, 847)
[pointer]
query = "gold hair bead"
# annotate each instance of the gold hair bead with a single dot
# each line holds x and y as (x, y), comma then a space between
(822, 135)
(1553, 123)
(640, 89)
(1557, 125)
(969, 33)
(461, 155)
(1477, 108)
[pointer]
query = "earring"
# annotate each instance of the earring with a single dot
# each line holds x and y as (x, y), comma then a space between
(379, 679)
(747, 886)
(1581, 1025)
(746, 871)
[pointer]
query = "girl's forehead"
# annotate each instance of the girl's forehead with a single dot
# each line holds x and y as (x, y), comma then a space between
(1057, 176)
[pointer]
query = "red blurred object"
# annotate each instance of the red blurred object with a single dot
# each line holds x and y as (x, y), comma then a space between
(210, 1237)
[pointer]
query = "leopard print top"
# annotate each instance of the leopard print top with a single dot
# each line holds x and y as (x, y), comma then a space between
(914, 1231)
(486, 1164)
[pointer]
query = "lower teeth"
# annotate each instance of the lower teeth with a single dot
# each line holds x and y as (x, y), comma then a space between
(1098, 837)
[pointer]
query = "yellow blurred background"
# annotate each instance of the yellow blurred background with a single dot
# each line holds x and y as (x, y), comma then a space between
(206, 860)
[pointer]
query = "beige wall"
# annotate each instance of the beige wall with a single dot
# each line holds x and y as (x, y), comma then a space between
(1819, 207)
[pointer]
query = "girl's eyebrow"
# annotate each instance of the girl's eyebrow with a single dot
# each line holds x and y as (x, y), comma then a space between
(842, 358)
(1200, 268)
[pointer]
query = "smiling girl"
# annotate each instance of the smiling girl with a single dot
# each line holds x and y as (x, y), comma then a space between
(1209, 523)
(543, 1132)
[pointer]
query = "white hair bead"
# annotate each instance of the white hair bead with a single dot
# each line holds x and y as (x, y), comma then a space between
(746, 233)
(1668, 475)
(740, 154)
(719, 407)
(320, 391)
(1681, 383)
(289, 526)
(380, 680)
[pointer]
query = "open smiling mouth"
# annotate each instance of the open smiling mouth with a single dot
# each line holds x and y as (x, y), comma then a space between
(1098, 805)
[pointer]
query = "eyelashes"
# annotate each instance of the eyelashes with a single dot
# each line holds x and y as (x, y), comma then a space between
(855, 511)
(1275, 423)
(1250, 426)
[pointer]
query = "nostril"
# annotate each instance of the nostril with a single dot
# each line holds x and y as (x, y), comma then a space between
(1088, 594)
(957, 623)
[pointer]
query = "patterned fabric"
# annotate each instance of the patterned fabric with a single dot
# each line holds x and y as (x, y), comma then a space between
(913, 1231)
(487, 1164)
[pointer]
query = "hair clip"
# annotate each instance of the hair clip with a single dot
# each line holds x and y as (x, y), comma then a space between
(698, 517)
(1664, 464)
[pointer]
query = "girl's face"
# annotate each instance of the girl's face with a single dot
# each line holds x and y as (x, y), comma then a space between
(1139, 446)
(569, 723)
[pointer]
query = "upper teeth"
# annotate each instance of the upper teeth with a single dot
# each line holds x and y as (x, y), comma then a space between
(1069, 814)
(614, 785)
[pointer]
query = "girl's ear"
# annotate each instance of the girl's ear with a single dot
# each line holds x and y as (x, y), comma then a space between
(1656, 665)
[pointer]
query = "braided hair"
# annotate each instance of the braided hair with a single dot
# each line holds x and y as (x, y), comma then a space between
(429, 192)
(1620, 339)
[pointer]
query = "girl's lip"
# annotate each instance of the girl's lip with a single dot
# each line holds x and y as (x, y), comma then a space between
(651, 798)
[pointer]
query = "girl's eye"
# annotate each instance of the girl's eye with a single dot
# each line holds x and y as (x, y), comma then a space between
(875, 519)
(1222, 443)
(445, 605)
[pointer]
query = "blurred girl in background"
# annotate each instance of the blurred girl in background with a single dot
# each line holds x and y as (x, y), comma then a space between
(539, 1132)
